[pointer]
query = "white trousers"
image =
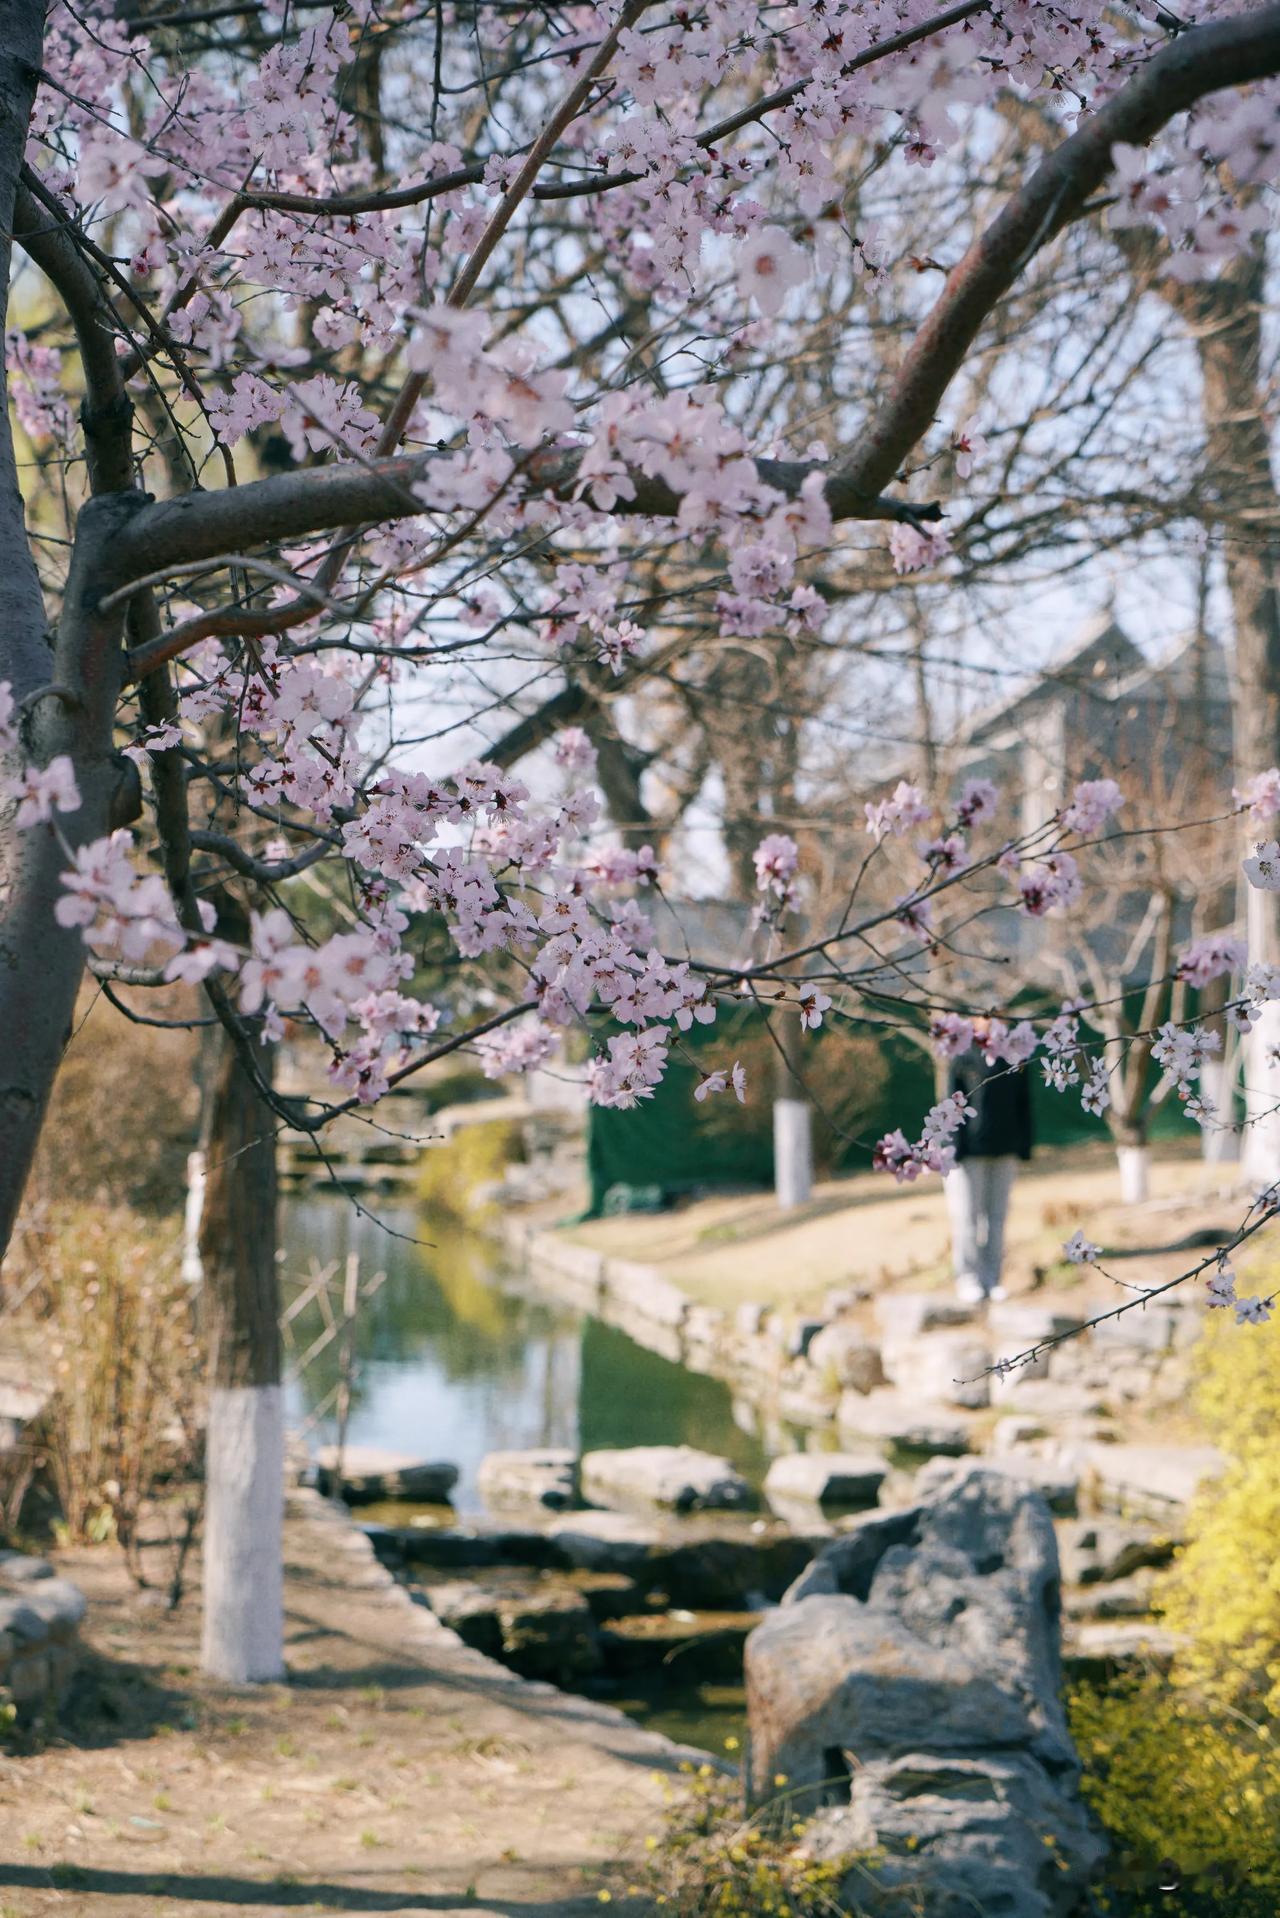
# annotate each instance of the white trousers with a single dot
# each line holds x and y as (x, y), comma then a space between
(978, 1202)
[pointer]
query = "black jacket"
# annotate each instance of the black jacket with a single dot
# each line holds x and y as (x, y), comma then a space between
(1001, 1099)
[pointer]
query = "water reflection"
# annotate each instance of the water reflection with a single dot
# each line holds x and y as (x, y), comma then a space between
(458, 1357)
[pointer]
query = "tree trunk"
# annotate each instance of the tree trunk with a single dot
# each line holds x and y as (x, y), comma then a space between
(1227, 317)
(40, 963)
(243, 1635)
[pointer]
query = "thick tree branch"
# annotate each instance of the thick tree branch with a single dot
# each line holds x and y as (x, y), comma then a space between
(1201, 61)
(198, 526)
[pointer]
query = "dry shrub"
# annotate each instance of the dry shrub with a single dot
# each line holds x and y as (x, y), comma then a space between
(117, 1331)
(124, 1110)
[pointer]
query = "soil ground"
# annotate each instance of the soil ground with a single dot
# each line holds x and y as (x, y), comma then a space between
(396, 1772)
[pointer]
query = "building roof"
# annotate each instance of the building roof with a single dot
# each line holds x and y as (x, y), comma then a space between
(1103, 655)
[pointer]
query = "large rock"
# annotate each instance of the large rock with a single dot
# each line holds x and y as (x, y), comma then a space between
(908, 1687)
(1052, 1473)
(370, 1474)
(547, 1477)
(674, 1478)
(844, 1357)
(824, 1478)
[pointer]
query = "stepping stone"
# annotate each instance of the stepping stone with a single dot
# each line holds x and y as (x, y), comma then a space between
(547, 1477)
(674, 1478)
(904, 1421)
(905, 1315)
(846, 1479)
(1105, 1650)
(1158, 1480)
(370, 1474)
(1096, 1551)
(709, 1563)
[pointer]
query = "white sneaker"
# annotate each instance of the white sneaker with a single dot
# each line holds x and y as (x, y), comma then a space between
(968, 1290)
(997, 1292)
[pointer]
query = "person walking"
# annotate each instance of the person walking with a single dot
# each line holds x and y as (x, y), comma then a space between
(989, 1147)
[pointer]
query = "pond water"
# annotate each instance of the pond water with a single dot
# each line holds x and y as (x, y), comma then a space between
(457, 1356)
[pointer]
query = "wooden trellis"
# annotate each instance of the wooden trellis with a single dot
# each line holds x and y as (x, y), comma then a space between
(339, 1300)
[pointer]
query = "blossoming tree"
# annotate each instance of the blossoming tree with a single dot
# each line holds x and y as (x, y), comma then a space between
(360, 445)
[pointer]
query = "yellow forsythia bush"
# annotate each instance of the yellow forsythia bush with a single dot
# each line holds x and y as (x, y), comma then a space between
(1186, 1766)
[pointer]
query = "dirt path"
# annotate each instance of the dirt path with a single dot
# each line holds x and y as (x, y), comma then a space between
(721, 1251)
(396, 1772)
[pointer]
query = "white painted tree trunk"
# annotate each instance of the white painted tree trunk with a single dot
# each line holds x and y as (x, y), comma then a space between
(243, 1630)
(1261, 1148)
(1220, 1141)
(792, 1152)
(243, 1625)
(1135, 1169)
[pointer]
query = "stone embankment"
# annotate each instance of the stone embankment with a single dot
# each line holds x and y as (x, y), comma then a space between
(40, 1616)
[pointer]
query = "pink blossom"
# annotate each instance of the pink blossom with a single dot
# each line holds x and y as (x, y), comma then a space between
(776, 860)
(769, 265)
(977, 802)
(1263, 868)
(813, 1004)
(43, 790)
(1261, 796)
(1210, 957)
(968, 445)
(1092, 804)
(912, 548)
(905, 808)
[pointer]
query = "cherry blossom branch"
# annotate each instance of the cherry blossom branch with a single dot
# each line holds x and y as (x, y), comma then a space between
(1201, 61)
(465, 285)
(391, 199)
(173, 533)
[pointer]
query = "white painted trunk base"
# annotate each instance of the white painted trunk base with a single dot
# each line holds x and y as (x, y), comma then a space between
(1261, 1145)
(1135, 1168)
(243, 1629)
(792, 1152)
(1219, 1142)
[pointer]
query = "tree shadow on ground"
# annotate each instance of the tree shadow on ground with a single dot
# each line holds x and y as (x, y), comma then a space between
(114, 1701)
(273, 1894)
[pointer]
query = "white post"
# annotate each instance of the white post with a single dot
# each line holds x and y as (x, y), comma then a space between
(792, 1152)
(243, 1624)
(1134, 1162)
(192, 1269)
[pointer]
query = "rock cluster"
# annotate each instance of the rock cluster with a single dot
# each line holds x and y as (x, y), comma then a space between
(908, 1689)
(40, 1618)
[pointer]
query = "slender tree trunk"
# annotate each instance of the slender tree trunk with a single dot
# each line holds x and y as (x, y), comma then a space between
(1227, 317)
(243, 1636)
